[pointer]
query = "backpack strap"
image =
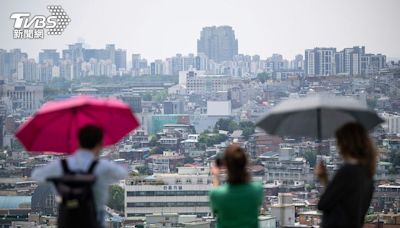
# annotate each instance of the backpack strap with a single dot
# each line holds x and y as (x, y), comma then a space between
(92, 166)
(64, 166)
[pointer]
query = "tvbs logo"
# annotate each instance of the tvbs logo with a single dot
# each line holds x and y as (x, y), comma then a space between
(28, 27)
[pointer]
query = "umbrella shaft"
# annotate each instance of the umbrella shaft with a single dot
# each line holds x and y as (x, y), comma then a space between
(319, 130)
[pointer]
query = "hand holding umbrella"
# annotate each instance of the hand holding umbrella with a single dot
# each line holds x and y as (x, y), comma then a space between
(317, 117)
(321, 172)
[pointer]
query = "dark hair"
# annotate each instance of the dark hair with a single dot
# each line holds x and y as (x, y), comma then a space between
(235, 160)
(353, 140)
(90, 136)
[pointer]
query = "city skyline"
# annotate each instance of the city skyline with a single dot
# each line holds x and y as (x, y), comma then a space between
(261, 28)
(129, 55)
(78, 62)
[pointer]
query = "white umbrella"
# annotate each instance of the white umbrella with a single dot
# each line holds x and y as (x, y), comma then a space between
(316, 116)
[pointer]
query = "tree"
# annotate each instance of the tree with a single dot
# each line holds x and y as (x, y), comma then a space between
(226, 125)
(116, 200)
(157, 150)
(209, 140)
(144, 170)
(263, 77)
(147, 97)
(311, 157)
(188, 160)
(248, 128)
(153, 141)
(160, 96)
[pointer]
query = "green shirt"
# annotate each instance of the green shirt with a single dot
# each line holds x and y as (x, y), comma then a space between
(237, 205)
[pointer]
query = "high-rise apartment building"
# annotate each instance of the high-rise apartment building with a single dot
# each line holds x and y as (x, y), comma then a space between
(9, 62)
(49, 56)
(120, 59)
(218, 43)
(349, 61)
(30, 70)
(139, 65)
(176, 64)
(320, 62)
(110, 52)
(74, 52)
(156, 67)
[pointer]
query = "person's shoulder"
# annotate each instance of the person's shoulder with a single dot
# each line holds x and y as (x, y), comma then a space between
(105, 165)
(105, 162)
(351, 169)
(215, 191)
(108, 166)
(350, 173)
(256, 184)
(257, 187)
(54, 164)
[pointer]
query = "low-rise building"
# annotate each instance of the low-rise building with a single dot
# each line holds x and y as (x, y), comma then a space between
(293, 170)
(284, 210)
(386, 197)
(166, 162)
(185, 192)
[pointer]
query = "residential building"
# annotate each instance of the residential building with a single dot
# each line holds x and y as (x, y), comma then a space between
(218, 43)
(199, 83)
(173, 107)
(392, 124)
(120, 59)
(386, 197)
(284, 210)
(320, 62)
(169, 160)
(49, 56)
(9, 62)
(135, 101)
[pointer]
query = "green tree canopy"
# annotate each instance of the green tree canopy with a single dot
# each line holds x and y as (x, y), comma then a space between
(311, 157)
(226, 125)
(248, 128)
(263, 77)
(144, 170)
(147, 96)
(153, 141)
(116, 199)
(211, 139)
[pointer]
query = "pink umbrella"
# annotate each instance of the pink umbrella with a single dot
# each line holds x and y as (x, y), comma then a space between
(54, 127)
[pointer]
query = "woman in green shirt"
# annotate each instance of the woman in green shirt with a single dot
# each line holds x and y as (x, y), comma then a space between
(237, 203)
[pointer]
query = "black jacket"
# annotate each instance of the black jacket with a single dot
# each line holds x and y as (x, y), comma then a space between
(347, 197)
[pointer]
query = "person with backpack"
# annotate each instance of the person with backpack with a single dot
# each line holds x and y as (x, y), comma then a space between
(82, 181)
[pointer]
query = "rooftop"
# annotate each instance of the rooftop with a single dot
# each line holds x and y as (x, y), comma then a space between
(15, 202)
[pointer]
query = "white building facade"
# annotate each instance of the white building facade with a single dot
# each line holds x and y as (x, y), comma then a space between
(185, 192)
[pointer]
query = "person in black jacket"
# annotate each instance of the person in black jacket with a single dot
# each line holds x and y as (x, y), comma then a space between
(347, 197)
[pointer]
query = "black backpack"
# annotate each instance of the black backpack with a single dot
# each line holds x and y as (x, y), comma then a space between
(77, 208)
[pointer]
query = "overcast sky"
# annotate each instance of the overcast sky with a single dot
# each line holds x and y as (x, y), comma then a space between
(162, 28)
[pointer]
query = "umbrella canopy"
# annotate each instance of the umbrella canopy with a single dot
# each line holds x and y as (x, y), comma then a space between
(316, 116)
(54, 127)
